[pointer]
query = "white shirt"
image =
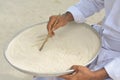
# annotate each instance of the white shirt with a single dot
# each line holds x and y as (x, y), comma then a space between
(109, 56)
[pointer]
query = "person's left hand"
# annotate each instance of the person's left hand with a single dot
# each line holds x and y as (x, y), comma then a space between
(81, 73)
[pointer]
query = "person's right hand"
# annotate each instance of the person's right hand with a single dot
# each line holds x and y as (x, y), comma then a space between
(61, 21)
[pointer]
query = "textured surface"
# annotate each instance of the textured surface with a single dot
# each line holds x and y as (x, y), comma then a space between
(71, 45)
(16, 15)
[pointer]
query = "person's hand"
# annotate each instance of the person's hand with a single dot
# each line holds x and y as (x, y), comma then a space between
(61, 21)
(83, 73)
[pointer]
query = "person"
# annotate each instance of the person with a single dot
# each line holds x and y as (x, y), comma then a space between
(107, 65)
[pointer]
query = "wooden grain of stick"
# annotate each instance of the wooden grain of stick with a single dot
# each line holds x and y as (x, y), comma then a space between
(48, 36)
(46, 39)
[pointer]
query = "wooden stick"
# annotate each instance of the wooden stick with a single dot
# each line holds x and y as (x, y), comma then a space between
(46, 39)
(48, 36)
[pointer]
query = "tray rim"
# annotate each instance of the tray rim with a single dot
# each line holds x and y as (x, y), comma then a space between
(46, 74)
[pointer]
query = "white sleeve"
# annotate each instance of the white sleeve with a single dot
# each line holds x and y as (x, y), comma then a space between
(98, 28)
(113, 69)
(85, 8)
(113, 19)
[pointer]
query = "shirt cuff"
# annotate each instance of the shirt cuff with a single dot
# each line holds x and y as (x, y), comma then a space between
(77, 15)
(113, 69)
(98, 28)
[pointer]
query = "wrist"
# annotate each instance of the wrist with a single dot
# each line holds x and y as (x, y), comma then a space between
(68, 16)
(100, 74)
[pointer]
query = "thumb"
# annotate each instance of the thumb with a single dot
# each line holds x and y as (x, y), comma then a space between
(75, 67)
(51, 33)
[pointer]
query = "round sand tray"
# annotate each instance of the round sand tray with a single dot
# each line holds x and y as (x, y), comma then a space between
(73, 44)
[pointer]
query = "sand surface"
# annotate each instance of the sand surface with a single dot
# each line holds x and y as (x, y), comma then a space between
(16, 15)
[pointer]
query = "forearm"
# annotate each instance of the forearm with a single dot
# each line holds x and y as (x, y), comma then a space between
(100, 74)
(84, 9)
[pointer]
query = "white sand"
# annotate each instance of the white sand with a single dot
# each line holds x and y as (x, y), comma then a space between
(18, 14)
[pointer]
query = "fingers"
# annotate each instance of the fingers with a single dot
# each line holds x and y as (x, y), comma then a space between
(67, 76)
(75, 67)
(71, 75)
(81, 73)
(55, 22)
(78, 68)
(52, 20)
(57, 26)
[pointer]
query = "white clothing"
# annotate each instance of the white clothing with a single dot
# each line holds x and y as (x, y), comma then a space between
(109, 56)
